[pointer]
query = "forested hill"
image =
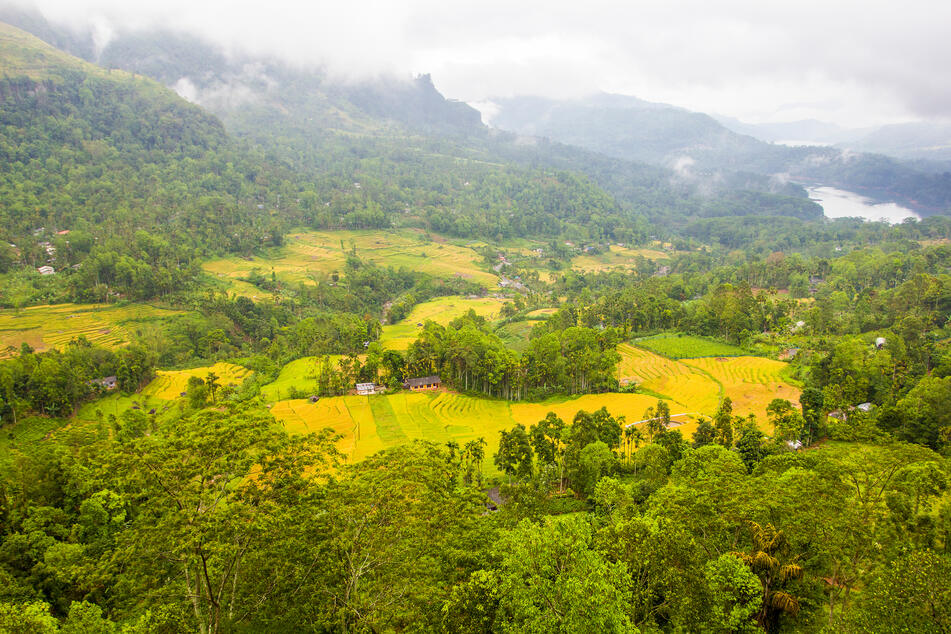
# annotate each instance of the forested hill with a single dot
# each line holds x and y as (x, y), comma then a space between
(116, 172)
(633, 129)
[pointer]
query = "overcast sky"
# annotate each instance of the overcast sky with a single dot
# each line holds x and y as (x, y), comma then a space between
(854, 63)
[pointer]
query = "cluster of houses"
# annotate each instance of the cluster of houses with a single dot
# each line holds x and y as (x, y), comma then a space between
(432, 382)
(49, 249)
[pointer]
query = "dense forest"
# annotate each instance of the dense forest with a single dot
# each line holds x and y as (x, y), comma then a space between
(205, 511)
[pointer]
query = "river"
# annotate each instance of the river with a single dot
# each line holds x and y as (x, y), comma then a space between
(839, 203)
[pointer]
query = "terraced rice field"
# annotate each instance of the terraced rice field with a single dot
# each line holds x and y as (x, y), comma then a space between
(697, 385)
(617, 257)
(53, 326)
(370, 423)
(313, 255)
(167, 386)
(750, 382)
(689, 388)
(443, 310)
(631, 406)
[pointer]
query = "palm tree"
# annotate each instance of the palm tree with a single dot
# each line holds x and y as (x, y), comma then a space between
(770, 559)
(211, 380)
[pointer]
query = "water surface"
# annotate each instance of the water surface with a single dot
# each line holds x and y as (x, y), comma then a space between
(839, 203)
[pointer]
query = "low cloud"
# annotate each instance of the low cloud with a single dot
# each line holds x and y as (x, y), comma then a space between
(855, 63)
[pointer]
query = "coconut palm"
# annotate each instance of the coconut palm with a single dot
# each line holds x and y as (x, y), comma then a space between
(770, 559)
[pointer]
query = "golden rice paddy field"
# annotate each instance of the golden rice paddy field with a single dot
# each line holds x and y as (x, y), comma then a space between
(368, 424)
(750, 382)
(53, 326)
(693, 387)
(689, 389)
(311, 255)
(443, 310)
(697, 385)
(167, 386)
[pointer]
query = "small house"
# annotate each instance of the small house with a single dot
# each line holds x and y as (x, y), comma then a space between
(423, 383)
(493, 499)
(366, 389)
(106, 382)
(788, 354)
(46, 270)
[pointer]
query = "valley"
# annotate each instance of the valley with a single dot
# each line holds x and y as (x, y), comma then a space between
(293, 344)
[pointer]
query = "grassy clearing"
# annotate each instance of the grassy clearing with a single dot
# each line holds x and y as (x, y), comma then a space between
(312, 255)
(53, 326)
(24, 54)
(750, 382)
(299, 375)
(688, 347)
(443, 310)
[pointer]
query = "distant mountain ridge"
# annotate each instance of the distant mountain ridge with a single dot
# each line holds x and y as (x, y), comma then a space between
(921, 140)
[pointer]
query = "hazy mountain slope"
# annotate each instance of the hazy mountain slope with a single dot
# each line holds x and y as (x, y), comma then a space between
(930, 141)
(225, 84)
(664, 135)
(804, 132)
(626, 127)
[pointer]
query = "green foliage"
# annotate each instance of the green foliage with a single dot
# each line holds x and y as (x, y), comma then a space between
(736, 595)
(911, 594)
(550, 579)
(514, 456)
(686, 346)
